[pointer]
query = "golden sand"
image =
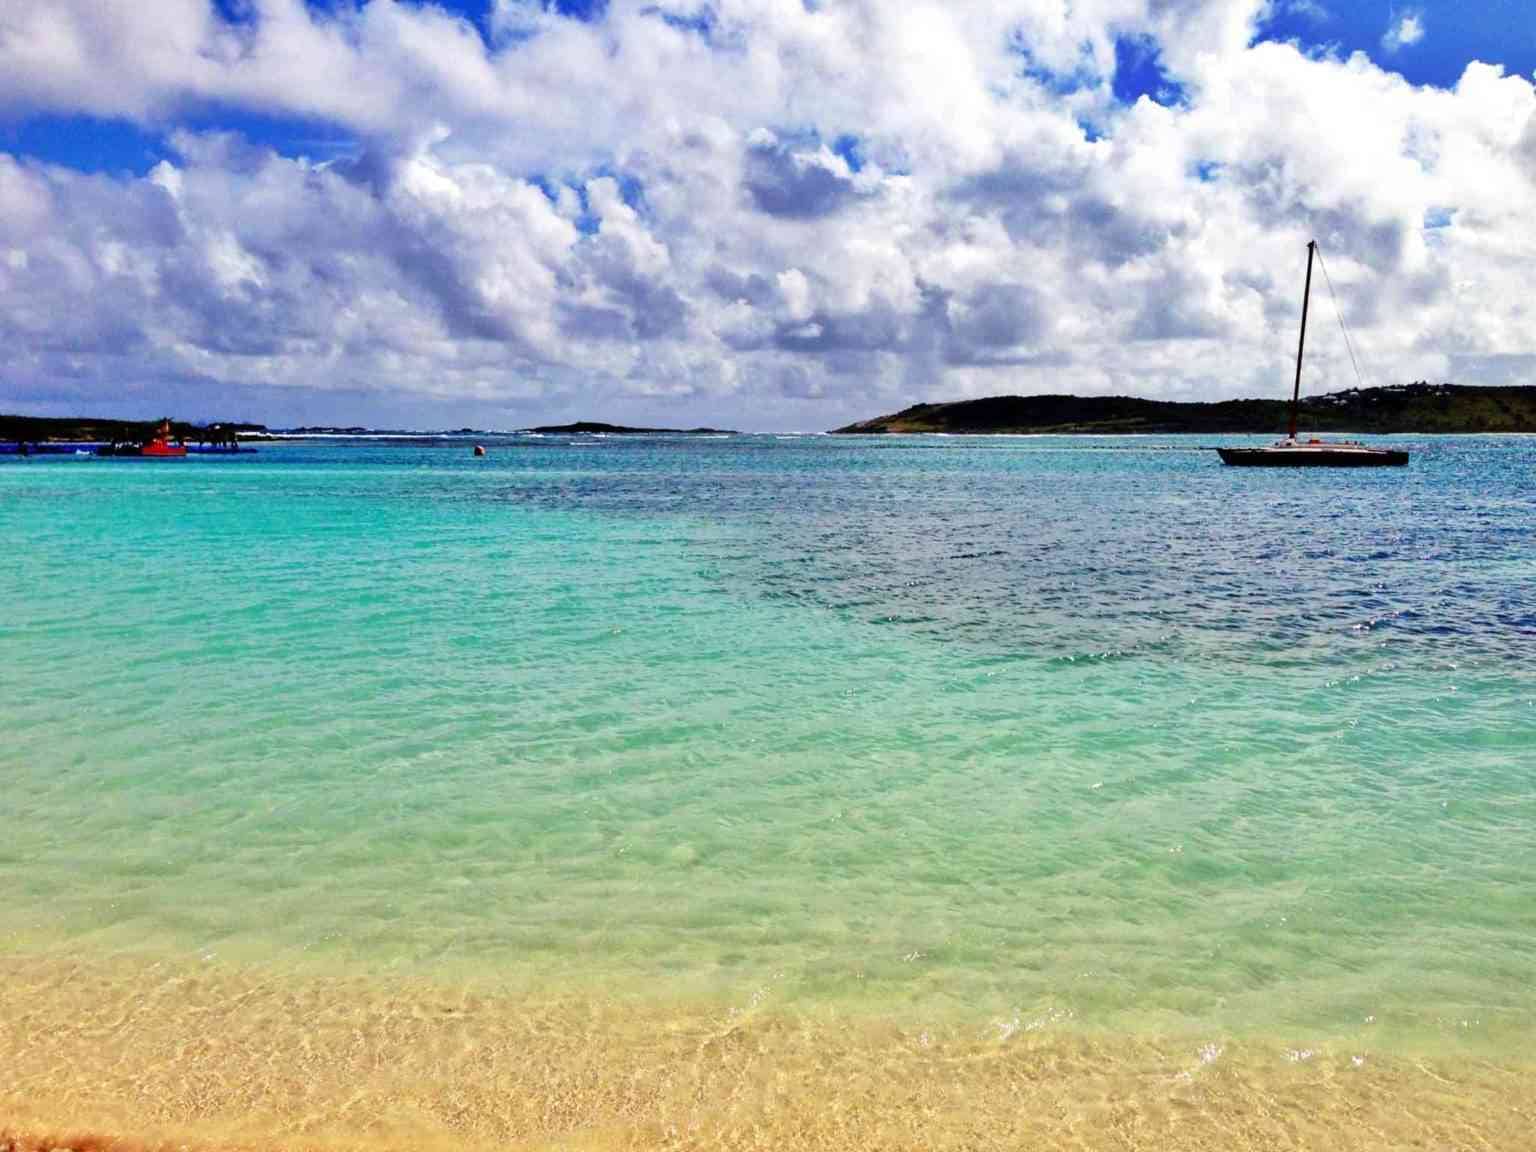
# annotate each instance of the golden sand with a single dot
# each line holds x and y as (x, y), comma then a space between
(134, 1054)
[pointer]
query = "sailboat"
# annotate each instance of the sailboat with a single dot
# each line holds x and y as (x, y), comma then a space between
(1312, 452)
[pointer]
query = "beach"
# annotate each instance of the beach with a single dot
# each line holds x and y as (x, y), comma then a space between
(142, 1055)
(767, 792)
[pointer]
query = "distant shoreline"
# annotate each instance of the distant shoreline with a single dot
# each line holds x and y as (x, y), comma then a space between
(88, 430)
(596, 428)
(1406, 408)
(1415, 409)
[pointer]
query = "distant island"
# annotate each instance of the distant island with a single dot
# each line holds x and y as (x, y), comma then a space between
(94, 430)
(1420, 407)
(593, 427)
(589, 427)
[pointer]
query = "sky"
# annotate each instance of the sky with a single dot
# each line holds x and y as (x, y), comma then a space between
(760, 214)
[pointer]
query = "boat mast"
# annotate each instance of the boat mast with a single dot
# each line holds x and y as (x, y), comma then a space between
(1306, 298)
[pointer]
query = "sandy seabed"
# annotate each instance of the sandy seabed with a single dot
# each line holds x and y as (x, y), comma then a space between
(136, 1054)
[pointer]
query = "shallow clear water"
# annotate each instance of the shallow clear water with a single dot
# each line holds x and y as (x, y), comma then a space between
(997, 730)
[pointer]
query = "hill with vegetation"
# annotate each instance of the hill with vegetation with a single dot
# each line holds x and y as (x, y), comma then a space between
(594, 427)
(1420, 407)
(91, 430)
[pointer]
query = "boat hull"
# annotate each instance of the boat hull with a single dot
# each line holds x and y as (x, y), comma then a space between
(161, 450)
(1312, 458)
(155, 450)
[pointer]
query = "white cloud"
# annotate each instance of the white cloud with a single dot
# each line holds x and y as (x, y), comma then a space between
(1404, 32)
(1306, 9)
(779, 216)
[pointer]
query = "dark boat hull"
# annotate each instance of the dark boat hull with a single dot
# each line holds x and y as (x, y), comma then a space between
(1294, 458)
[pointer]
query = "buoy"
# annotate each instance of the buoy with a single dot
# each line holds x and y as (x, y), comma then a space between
(479, 449)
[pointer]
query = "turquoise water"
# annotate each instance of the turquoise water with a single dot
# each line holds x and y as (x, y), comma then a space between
(1005, 730)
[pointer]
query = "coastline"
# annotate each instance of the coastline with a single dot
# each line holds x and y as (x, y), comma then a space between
(136, 1052)
(1410, 409)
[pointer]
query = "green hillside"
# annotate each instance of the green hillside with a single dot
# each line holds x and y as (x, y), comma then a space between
(1417, 407)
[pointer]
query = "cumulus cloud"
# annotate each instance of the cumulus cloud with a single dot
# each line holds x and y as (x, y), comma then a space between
(788, 182)
(749, 212)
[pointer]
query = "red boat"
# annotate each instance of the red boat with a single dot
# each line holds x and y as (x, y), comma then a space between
(159, 445)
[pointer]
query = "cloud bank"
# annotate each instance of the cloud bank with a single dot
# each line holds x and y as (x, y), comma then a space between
(768, 213)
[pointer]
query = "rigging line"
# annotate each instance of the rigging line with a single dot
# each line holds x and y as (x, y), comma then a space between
(1339, 312)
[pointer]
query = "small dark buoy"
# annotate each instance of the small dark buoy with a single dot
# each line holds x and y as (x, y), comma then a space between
(479, 449)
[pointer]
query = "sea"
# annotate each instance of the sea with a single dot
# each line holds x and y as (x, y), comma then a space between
(769, 791)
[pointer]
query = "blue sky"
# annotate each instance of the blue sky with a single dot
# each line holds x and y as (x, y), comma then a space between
(1455, 32)
(744, 213)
